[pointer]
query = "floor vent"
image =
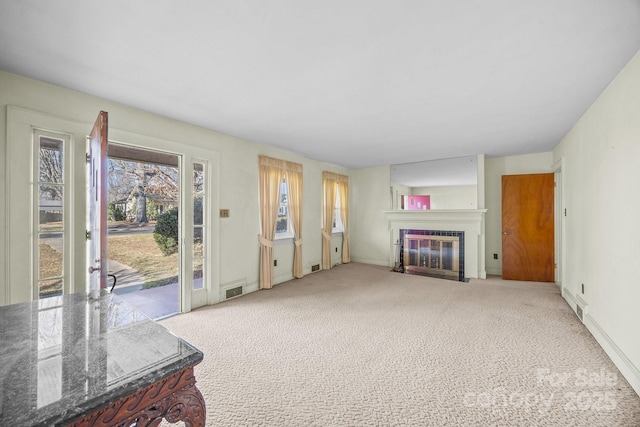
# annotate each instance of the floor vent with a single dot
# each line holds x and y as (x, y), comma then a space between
(315, 267)
(233, 292)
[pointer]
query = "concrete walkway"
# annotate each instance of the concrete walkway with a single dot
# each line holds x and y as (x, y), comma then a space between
(155, 302)
(129, 280)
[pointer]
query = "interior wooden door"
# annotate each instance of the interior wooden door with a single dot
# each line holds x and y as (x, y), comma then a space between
(528, 227)
(97, 204)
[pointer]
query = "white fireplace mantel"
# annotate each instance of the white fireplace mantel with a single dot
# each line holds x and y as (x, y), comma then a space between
(469, 221)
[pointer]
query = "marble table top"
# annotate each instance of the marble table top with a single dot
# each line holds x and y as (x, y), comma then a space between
(65, 356)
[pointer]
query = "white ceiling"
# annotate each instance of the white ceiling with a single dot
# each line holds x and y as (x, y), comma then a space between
(355, 83)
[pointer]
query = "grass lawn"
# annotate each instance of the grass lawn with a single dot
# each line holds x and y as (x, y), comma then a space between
(141, 252)
(137, 250)
(50, 265)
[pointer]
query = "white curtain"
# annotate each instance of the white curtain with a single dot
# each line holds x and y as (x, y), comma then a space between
(293, 176)
(330, 182)
(271, 172)
(343, 190)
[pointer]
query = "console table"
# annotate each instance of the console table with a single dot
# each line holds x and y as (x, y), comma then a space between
(93, 360)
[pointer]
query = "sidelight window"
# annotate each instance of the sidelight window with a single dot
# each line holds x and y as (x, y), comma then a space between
(51, 226)
(199, 224)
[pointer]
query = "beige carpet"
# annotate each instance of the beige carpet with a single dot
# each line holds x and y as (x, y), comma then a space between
(359, 345)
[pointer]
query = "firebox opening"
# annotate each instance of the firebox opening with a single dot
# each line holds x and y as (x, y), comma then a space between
(433, 253)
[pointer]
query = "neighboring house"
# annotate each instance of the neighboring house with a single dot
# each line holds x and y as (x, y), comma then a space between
(160, 204)
(50, 210)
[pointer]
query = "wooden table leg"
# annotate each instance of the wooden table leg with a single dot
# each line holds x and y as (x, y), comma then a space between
(175, 398)
(186, 404)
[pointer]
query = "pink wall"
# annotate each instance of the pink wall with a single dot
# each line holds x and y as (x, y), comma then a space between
(418, 203)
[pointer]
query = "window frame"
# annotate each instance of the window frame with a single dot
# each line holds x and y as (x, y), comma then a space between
(204, 226)
(67, 191)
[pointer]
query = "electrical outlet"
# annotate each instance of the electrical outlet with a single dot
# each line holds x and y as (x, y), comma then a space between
(583, 288)
(224, 213)
(336, 250)
(275, 262)
(495, 256)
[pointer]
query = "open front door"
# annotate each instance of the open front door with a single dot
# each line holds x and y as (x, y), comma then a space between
(97, 206)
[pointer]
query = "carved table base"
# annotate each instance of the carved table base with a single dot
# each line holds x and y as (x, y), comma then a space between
(175, 398)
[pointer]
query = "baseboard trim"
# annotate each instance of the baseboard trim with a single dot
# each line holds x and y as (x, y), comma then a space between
(615, 353)
(251, 287)
(384, 263)
(628, 370)
(282, 279)
(568, 297)
(494, 271)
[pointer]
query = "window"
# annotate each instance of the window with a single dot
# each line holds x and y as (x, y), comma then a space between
(338, 227)
(199, 224)
(51, 226)
(284, 229)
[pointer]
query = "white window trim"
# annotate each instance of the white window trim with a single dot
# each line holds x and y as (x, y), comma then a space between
(284, 236)
(67, 209)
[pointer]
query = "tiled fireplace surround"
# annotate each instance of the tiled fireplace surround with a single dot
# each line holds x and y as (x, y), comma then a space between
(467, 221)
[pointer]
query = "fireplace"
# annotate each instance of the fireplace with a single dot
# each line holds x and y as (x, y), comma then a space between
(468, 223)
(435, 253)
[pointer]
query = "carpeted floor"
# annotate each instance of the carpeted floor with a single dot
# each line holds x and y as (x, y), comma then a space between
(359, 345)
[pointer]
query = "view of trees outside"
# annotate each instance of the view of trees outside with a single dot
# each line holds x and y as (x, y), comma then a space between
(138, 193)
(141, 191)
(51, 225)
(199, 225)
(282, 225)
(142, 197)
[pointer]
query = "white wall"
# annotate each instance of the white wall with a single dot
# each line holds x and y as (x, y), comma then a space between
(494, 169)
(283, 255)
(397, 191)
(450, 197)
(602, 235)
(336, 248)
(369, 196)
(238, 192)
